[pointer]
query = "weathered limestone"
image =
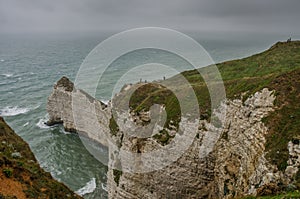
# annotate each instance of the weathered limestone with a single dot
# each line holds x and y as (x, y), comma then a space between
(59, 106)
(294, 159)
(241, 146)
(223, 161)
(78, 111)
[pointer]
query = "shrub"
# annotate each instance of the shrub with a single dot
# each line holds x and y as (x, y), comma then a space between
(8, 172)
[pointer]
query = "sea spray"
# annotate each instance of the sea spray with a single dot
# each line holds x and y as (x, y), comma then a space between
(13, 111)
(88, 188)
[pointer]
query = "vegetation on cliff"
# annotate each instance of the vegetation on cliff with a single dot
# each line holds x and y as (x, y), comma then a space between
(289, 195)
(20, 174)
(278, 69)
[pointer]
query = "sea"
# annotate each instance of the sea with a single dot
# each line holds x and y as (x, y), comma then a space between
(30, 64)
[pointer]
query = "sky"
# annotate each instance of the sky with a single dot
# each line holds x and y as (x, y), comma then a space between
(251, 16)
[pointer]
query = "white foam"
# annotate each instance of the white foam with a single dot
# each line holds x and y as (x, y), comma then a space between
(12, 111)
(58, 173)
(63, 131)
(103, 187)
(7, 74)
(105, 101)
(37, 106)
(2, 60)
(26, 124)
(88, 188)
(41, 123)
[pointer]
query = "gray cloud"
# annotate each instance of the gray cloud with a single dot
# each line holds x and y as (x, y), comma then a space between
(105, 15)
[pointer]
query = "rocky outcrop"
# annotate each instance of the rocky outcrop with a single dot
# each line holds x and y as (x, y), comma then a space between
(226, 164)
(73, 108)
(240, 165)
(20, 174)
(294, 159)
(223, 161)
(59, 106)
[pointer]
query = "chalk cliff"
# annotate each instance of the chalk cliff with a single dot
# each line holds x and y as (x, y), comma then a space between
(255, 150)
(60, 110)
(236, 167)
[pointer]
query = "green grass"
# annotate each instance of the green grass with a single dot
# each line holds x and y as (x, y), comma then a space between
(8, 172)
(117, 175)
(251, 74)
(278, 68)
(163, 137)
(284, 123)
(289, 195)
(149, 94)
(113, 126)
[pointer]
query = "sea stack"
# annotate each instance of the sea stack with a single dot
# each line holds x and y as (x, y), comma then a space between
(77, 111)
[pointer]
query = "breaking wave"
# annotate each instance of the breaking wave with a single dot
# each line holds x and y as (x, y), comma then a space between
(42, 123)
(13, 111)
(7, 74)
(88, 188)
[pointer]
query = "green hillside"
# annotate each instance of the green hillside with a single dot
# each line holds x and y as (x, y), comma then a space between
(278, 68)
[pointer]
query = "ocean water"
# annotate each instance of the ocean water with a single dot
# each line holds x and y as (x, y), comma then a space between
(29, 67)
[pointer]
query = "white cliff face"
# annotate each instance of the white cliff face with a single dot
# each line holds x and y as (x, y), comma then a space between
(78, 112)
(223, 161)
(242, 146)
(294, 159)
(59, 106)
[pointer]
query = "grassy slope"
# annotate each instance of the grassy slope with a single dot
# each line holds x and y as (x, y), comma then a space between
(278, 68)
(288, 195)
(24, 173)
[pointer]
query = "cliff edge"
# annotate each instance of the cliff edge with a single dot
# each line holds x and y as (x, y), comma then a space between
(255, 151)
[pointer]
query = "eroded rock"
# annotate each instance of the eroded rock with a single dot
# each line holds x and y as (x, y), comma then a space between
(223, 161)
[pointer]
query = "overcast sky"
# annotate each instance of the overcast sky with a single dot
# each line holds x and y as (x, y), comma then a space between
(263, 16)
